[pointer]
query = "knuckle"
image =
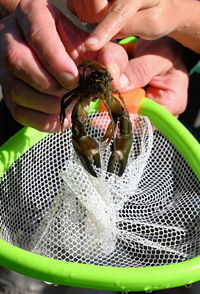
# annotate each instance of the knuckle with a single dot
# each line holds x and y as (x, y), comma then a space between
(12, 90)
(17, 113)
(14, 94)
(46, 123)
(44, 86)
(23, 6)
(141, 74)
(11, 57)
(49, 123)
(32, 29)
(51, 87)
(8, 89)
(34, 36)
(119, 10)
(155, 26)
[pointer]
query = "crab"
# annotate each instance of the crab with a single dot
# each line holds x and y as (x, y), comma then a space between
(95, 83)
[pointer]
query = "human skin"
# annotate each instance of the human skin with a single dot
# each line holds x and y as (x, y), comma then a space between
(39, 56)
(159, 65)
(38, 44)
(148, 19)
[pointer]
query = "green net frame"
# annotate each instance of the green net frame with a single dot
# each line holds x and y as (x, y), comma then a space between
(101, 277)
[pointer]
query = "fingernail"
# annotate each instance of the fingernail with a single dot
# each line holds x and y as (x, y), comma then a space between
(114, 71)
(123, 81)
(67, 123)
(62, 92)
(92, 41)
(68, 80)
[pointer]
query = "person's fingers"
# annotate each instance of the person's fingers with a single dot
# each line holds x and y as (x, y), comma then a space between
(41, 121)
(115, 19)
(140, 71)
(115, 58)
(76, 7)
(37, 21)
(24, 64)
(73, 39)
(170, 90)
(168, 87)
(97, 9)
(88, 11)
(32, 108)
(28, 117)
(162, 69)
(24, 95)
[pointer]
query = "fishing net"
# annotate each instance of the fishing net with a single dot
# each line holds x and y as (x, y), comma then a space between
(149, 216)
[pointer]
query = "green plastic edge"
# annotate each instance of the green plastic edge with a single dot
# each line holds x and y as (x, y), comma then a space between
(101, 277)
(94, 106)
(127, 40)
(174, 131)
(18, 145)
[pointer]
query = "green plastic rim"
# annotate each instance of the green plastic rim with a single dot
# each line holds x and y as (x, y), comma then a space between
(174, 131)
(127, 40)
(100, 277)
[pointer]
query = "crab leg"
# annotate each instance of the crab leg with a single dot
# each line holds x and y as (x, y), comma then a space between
(64, 104)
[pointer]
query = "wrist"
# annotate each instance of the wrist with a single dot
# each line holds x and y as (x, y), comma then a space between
(7, 7)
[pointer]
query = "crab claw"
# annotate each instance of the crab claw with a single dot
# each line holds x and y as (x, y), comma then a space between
(86, 148)
(121, 146)
(120, 154)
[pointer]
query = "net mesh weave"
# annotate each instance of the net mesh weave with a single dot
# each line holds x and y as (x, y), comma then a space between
(150, 216)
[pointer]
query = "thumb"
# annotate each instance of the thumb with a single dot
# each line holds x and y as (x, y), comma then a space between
(118, 14)
(115, 58)
(141, 70)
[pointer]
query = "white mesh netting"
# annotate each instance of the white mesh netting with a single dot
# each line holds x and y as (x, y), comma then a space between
(150, 216)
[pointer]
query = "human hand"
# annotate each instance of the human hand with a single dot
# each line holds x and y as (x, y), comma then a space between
(35, 67)
(159, 66)
(148, 19)
(39, 52)
(34, 64)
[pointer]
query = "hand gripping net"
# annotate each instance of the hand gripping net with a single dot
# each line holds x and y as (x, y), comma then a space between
(50, 205)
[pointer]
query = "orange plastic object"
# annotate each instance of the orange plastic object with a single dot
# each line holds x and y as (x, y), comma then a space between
(132, 100)
(129, 47)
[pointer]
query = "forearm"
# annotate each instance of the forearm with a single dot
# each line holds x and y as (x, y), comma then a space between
(188, 33)
(7, 7)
